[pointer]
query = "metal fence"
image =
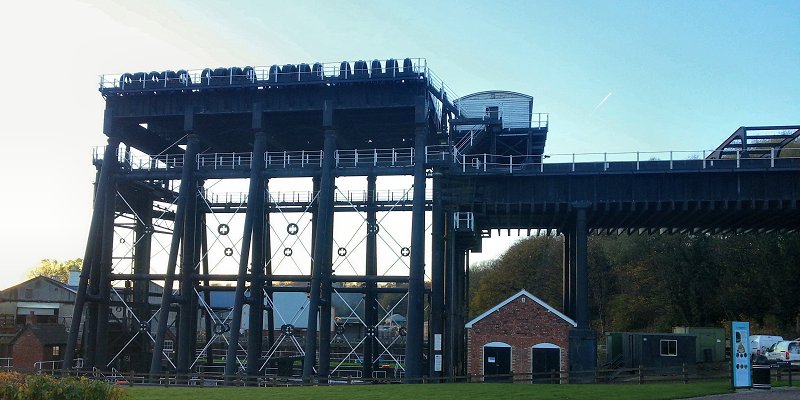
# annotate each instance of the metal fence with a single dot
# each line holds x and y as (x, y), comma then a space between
(354, 376)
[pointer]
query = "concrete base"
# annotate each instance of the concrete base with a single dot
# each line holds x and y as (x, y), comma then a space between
(582, 355)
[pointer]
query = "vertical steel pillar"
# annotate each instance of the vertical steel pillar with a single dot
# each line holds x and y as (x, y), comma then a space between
(463, 302)
(325, 243)
(254, 211)
(581, 270)
(582, 339)
(416, 286)
(197, 256)
(186, 193)
(209, 320)
(186, 312)
(256, 322)
(103, 302)
(260, 254)
(573, 276)
(565, 262)
(370, 300)
(323, 246)
(450, 297)
(143, 235)
(104, 181)
(437, 281)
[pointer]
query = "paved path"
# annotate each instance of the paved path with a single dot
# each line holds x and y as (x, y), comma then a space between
(783, 393)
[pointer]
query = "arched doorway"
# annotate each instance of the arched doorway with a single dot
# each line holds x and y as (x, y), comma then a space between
(496, 361)
(545, 363)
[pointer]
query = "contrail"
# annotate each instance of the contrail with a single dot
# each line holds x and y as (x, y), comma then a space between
(602, 101)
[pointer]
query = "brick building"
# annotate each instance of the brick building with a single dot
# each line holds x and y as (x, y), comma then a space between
(38, 342)
(522, 334)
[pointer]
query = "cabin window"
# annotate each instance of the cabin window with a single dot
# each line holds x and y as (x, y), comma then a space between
(669, 347)
(56, 351)
(168, 345)
(493, 112)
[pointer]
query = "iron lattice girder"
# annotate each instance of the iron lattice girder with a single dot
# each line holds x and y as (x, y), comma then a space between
(710, 201)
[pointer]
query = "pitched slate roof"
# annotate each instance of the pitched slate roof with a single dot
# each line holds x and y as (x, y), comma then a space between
(516, 296)
(48, 334)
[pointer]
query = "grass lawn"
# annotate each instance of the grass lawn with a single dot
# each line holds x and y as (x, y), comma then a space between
(655, 391)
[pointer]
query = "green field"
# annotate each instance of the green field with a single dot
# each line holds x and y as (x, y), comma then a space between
(438, 392)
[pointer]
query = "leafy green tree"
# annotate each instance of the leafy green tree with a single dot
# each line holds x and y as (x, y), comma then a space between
(54, 269)
(533, 264)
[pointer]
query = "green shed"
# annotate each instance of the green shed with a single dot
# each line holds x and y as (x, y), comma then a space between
(710, 342)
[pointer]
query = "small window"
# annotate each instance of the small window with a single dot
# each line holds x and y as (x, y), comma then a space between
(56, 351)
(492, 112)
(168, 346)
(669, 348)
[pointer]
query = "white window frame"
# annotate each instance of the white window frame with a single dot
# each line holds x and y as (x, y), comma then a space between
(169, 346)
(661, 347)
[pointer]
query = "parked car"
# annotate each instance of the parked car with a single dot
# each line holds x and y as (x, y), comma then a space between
(785, 350)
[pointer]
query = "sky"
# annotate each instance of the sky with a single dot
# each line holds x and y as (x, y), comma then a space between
(614, 76)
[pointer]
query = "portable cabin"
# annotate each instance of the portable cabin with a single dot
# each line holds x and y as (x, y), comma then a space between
(710, 342)
(650, 350)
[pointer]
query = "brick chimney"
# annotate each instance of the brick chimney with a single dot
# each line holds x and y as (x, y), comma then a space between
(30, 319)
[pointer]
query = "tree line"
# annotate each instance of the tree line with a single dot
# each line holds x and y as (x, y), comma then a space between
(652, 283)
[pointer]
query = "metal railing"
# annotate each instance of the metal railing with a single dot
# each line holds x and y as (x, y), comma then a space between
(480, 162)
(594, 162)
(55, 365)
(306, 197)
(403, 157)
(686, 373)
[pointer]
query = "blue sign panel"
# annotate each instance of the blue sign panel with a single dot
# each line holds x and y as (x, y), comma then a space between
(740, 349)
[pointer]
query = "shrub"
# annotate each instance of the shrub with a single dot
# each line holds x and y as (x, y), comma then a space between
(16, 386)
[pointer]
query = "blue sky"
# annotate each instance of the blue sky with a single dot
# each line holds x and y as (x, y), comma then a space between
(675, 75)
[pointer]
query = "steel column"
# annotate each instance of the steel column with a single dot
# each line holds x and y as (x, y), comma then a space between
(437, 280)
(573, 276)
(256, 320)
(416, 275)
(581, 270)
(104, 180)
(450, 297)
(187, 313)
(254, 211)
(566, 268)
(100, 346)
(323, 245)
(186, 194)
(370, 300)
(143, 235)
(209, 321)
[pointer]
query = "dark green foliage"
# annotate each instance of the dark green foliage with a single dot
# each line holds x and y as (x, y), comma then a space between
(42, 387)
(652, 283)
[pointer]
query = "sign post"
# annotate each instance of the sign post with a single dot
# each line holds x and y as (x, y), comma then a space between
(740, 354)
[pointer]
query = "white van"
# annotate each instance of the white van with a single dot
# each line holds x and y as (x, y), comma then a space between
(760, 343)
(787, 350)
